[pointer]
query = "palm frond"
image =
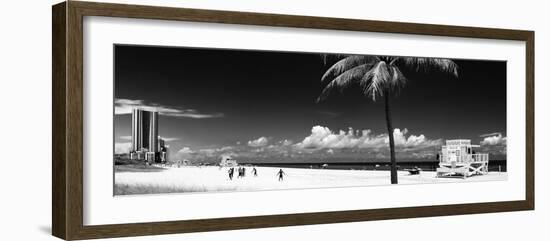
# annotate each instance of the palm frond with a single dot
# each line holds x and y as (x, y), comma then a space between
(376, 80)
(398, 80)
(332, 57)
(346, 64)
(427, 64)
(344, 80)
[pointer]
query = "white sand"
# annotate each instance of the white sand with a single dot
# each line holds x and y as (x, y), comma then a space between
(201, 179)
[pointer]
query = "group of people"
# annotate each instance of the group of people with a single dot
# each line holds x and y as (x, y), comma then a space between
(241, 172)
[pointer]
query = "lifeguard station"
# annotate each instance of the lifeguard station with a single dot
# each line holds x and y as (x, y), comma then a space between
(458, 158)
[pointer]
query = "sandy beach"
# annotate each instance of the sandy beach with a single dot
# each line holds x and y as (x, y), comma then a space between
(212, 179)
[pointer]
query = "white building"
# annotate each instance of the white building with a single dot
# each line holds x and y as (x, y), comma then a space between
(459, 158)
(228, 162)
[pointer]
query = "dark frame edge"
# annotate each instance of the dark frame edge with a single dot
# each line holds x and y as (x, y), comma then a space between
(284, 220)
(530, 119)
(59, 178)
(74, 122)
(298, 21)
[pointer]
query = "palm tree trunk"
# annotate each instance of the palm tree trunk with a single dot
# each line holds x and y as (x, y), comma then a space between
(390, 135)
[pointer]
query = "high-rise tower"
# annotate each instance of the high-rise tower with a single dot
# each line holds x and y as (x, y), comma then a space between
(145, 134)
(153, 134)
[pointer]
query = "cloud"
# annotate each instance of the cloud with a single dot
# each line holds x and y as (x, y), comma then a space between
(322, 137)
(125, 106)
(401, 139)
(493, 140)
(490, 134)
(320, 144)
(186, 150)
(262, 141)
(168, 139)
(494, 144)
(225, 148)
(124, 147)
(286, 142)
(205, 151)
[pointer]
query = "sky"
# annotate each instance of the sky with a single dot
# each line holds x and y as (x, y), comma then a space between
(260, 106)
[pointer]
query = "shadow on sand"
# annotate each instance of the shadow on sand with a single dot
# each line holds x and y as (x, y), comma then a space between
(45, 229)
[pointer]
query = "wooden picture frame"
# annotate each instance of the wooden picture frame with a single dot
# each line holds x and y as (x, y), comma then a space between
(67, 123)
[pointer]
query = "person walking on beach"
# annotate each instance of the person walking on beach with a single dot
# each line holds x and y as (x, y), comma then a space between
(231, 171)
(280, 174)
(254, 171)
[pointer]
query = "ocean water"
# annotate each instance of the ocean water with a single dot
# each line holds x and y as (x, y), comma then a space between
(494, 165)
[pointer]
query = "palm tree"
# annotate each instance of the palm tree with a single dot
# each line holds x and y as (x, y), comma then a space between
(379, 77)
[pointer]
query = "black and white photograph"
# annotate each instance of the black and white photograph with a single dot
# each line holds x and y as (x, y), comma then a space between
(270, 120)
(190, 120)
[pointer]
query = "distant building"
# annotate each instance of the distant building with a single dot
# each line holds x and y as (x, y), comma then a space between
(163, 156)
(137, 155)
(144, 130)
(160, 144)
(180, 163)
(146, 143)
(163, 150)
